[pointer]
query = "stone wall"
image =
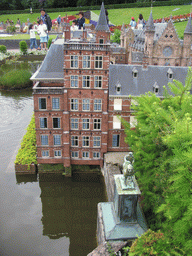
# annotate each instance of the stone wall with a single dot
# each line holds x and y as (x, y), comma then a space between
(14, 44)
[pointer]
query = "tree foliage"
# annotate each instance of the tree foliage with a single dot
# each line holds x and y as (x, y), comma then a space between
(162, 145)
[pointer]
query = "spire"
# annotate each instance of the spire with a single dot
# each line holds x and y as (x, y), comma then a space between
(102, 22)
(188, 28)
(123, 27)
(150, 24)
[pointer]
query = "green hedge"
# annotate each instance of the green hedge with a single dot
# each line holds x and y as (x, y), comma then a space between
(111, 6)
(27, 152)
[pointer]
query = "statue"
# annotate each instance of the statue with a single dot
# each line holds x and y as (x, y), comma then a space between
(128, 170)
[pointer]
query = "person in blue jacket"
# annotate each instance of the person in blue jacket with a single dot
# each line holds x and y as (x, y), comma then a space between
(81, 20)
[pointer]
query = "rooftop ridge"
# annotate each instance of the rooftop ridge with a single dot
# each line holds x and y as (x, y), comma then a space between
(150, 24)
(102, 22)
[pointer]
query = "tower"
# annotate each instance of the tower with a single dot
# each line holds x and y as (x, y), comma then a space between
(149, 38)
(187, 44)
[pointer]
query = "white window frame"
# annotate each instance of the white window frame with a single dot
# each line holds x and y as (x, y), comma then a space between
(97, 122)
(86, 61)
(47, 139)
(97, 140)
(45, 156)
(133, 121)
(59, 122)
(118, 136)
(74, 60)
(98, 81)
(74, 156)
(98, 62)
(56, 103)
(86, 81)
(74, 121)
(97, 155)
(75, 104)
(54, 137)
(86, 122)
(40, 123)
(86, 141)
(56, 155)
(85, 156)
(86, 104)
(75, 138)
(97, 104)
(118, 104)
(74, 80)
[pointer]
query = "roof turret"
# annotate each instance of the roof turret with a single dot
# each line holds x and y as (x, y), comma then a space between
(102, 22)
(188, 28)
(150, 24)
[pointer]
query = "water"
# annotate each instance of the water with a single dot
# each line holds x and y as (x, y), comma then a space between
(49, 215)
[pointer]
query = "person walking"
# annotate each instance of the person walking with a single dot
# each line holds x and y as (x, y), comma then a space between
(46, 19)
(81, 20)
(33, 41)
(59, 20)
(42, 31)
(132, 23)
(141, 22)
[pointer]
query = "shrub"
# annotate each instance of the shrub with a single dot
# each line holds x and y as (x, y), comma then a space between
(116, 36)
(27, 152)
(11, 29)
(49, 42)
(16, 79)
(3, 48)
(23, 47)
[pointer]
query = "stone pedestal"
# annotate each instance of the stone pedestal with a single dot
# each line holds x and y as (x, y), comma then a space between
(123, 218)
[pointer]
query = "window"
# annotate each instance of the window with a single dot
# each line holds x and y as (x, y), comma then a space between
(117, 104)
(85, 141)
(56, 122)
(133, 121)
(74, 123)
(74, 104)
(74, 81)
(57, 153)
(44, 140)
(45, 153)
(156, 88)
(55, 103)
(98, 82)
(98, 62)
(86, 124)
(96, 141)
(86, 61)
(74, 61)
(57, 139)
(96, 155)
(116, 122)
(97, 124)
(85, 154)
(118, 88)
(98, 105)
(86, 105)
(86, 81)
(101, 41)
(42, 103)
(135, 72)
(74, 154)
(43, 122)
(116, 139)
(74, 141)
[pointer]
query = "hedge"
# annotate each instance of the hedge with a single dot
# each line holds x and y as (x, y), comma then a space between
(111, 6)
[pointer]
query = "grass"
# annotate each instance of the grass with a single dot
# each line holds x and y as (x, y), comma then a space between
(24, 37)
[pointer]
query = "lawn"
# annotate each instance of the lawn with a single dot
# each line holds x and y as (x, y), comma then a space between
(24, 36)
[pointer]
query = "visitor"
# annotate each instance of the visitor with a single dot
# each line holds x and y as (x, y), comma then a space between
(42, 31)
(81, 20)
(66, 20)
(74, 27)
(18, 22)
(141, 22)
(46, 19)
(33, 41)
(59, 20)
(132, 23)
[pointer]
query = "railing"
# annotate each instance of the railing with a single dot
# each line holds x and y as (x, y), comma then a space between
(48, 90)
(86, 46)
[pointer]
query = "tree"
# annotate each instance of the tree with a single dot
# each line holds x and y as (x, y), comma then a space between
(162, 145)
(116, 36)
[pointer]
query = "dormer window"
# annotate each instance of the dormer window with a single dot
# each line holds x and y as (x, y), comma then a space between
(170, 73)
(118, 88)
(135, 72)
(156, 88)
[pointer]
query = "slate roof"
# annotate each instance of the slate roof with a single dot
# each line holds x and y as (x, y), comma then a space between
(150, 24)
(188, 28)
(52, 66)
(146, 78)
(102, 22)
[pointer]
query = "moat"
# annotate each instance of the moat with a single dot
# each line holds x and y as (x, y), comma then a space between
(46, 214)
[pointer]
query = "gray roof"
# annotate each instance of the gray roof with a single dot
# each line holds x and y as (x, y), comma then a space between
(150, 24)
(115, 48)
(188, 28)
(52, 66)
(102, 22)
(145, 80)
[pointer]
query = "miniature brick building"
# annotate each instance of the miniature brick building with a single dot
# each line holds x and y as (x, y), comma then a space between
(79, 97)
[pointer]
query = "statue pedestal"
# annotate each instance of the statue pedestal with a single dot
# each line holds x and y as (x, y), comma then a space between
(123, 218)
